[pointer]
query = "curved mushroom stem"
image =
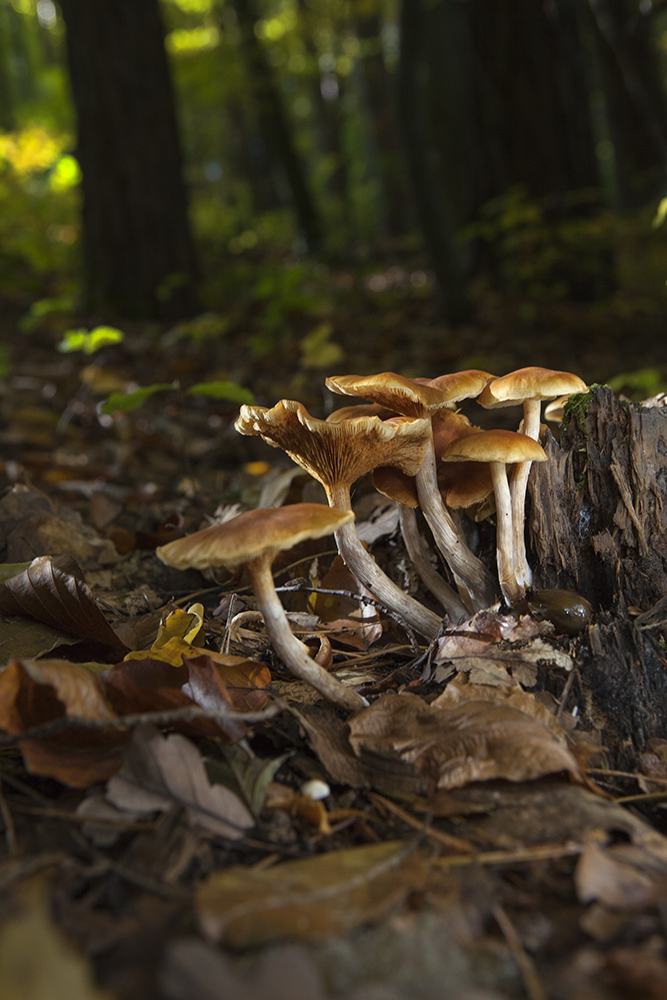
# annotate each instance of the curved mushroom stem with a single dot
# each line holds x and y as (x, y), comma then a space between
(419, 554)
(473, 580)
(291, 651)
(367, 572)
(518, 487)
(511, 589)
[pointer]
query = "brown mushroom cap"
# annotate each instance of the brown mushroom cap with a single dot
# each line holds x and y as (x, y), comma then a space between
(555, 410)
(338, 453)
(529, 383)
(412, 397)
(393, 483)
(256, 533)
(360, 410)
(403, 395)
(495, 446)
(456, 386)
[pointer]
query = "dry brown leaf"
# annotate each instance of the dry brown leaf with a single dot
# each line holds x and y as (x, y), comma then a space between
(217, 677)
(52, 591)
(33, 692)
(460, 690)
(158, 771)
(307, 899)
(476, 741)
(602, 875)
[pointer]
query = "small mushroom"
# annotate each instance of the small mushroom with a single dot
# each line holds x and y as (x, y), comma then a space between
(423, 398)
(337, 453)
(253, 540)
(527, 386)
(500, 449)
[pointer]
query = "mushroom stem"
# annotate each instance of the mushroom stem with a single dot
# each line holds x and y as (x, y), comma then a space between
(419, 554)
(518, 487)
(473, 580)
(511, 589)
(291, 651)
(368, 573)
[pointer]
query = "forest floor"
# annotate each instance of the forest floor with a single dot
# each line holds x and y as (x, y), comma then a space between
(157, 833)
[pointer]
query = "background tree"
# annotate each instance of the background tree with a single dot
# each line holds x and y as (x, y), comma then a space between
(139, 259)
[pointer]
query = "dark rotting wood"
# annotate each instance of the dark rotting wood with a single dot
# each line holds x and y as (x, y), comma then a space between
(598, 521)
(597, 525)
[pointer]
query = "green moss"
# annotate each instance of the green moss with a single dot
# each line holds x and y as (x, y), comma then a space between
(577, 406)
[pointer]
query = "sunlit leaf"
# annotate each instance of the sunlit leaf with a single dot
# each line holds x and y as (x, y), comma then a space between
(90, 341)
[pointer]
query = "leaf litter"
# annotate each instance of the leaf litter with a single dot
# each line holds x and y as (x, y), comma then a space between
(447, 805)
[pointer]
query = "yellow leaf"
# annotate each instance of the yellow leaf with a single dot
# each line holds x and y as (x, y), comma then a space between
(175, 637)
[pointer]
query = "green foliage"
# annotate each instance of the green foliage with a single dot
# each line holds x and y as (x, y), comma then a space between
(43, 309)
(317, 349)
(543, 251)
(127, 402)
(4, 362)
(640, 384)
(229, 391)
(90, 341)
(207, 326)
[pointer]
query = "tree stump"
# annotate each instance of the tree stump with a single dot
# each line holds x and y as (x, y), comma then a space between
(598, 525)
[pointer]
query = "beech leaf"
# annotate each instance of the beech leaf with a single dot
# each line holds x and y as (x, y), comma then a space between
(53, 592)
(159, 771)
(33, 692)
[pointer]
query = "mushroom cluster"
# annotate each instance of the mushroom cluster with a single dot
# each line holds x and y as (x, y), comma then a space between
(409, 435)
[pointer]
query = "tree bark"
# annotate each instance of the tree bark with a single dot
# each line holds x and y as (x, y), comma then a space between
(139, 260)
(598, 525)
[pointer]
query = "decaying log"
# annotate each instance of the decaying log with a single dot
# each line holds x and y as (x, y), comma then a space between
(598, 525)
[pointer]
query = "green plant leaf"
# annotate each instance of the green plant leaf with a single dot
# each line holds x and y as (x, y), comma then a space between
(126, 402)
(248, 777)
(222, 390)
(90, 341)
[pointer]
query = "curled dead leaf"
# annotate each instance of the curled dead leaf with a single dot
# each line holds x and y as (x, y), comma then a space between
(475, 741)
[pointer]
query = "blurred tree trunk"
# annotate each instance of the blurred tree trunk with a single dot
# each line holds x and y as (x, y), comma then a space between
(636, 102)
(437, 225)
(509, 96)
(7, 120)
(327, 118)
(382, 120)
(139, 258)
(274, 124)
(506, 92)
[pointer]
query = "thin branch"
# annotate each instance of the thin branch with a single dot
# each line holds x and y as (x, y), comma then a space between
(186, 714)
